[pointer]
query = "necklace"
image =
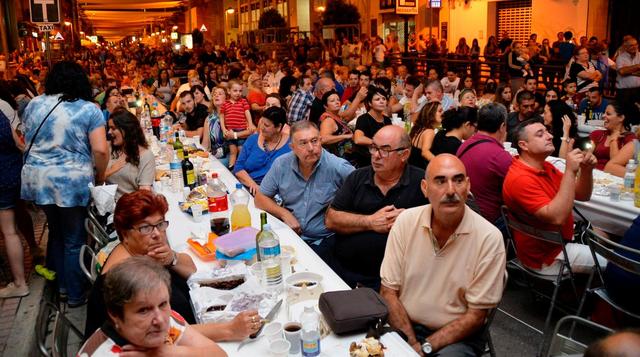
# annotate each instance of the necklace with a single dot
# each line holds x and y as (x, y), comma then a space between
(265, 147)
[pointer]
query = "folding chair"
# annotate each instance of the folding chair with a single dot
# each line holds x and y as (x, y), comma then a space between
(565, 274)
(568, 345)
(96, 233)
(87, 255)
(61, 328)
(615, 254)
(489, 348)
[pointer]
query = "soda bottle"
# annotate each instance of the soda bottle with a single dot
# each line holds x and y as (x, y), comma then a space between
(178, 147)
(310, 337)
(188, 173)
(175, 169)
(263, 222)
(240, 216)
(218, 205)
(269, 248)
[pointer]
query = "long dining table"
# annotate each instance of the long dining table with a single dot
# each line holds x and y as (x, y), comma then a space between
(182, 226)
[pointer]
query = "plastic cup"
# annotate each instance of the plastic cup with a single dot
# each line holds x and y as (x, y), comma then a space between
(196, 211)
(614, 192)
(273, 332)
(285, 263)
(256, 270)
(293, 333)
(279, 348)
(507, 145)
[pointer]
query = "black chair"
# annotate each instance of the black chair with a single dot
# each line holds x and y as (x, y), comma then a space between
(565, 274)
(614, 253)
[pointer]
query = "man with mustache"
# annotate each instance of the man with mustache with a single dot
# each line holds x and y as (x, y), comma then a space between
(541, 196)
(444, 267)
(367, 205)
(306, 179)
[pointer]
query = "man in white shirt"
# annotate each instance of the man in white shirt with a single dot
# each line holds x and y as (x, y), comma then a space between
(628, 79)
(450, 82)
(379, 52)
(410, 104)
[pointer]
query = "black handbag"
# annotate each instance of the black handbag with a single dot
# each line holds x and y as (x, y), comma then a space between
(354, 310)
(26, 152)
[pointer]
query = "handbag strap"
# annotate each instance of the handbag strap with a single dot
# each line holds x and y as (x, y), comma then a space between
(26, 153)
(472, 145)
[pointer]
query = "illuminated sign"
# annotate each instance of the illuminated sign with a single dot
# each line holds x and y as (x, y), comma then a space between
(435, 4)
(174, 35)
(407, 7)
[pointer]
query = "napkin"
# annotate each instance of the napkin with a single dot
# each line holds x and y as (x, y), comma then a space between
(104, 197)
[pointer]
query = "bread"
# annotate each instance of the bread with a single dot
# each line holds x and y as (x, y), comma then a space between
(369, 347)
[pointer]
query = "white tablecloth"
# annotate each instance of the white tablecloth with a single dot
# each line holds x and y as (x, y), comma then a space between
(610, 216)
(181, 225)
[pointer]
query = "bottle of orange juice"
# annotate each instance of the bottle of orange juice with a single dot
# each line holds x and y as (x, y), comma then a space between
(240, 216)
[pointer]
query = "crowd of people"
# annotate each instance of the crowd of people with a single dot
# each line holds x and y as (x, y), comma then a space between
(391, 177)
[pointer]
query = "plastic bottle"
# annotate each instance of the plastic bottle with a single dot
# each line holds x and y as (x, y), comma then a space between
(218, 205)
(178, 147)
(310, 337)
(240, 216)
(630, 177)
(175, 168)
(145, 119)
(269, 248)
(188, 173)
(636, 186)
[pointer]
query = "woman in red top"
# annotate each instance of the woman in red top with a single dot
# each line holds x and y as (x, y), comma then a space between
(256, 96)
(608, 142)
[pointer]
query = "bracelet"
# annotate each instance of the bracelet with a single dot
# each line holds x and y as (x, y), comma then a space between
(235, 135)
(566, 139)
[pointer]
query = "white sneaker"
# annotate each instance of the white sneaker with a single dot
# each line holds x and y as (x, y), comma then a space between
(12, 291)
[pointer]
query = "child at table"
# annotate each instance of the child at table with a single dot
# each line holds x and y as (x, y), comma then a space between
(570, 87)
(235, 118)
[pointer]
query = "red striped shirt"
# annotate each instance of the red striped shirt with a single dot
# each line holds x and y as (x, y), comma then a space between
(234, 114)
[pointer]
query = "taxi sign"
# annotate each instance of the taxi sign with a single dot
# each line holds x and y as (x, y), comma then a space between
(45, 27)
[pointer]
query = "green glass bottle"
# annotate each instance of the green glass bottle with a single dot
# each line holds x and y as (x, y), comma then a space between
(178, 147)
(263, 221)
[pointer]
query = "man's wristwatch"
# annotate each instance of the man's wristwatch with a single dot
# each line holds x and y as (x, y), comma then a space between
(174, 262)
(426, 347)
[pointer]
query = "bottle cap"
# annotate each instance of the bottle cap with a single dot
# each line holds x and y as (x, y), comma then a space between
(238, 185)
(214, 175)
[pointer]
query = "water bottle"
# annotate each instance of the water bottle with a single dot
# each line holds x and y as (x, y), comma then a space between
(269, 250)
(240, 216)
(630, 175)
(310, 337)
(145, 119)
(175, 168)
(218, 205)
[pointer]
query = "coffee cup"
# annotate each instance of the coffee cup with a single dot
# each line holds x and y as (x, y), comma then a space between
(292, 332)
(279, 348)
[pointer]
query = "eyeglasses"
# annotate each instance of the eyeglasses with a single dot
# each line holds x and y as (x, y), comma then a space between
(148, 229)
(383, 151)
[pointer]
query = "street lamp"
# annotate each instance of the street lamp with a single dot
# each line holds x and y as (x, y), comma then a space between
(231, 10)
(67, 23)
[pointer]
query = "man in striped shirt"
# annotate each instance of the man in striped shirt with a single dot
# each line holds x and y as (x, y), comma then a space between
(301, 101)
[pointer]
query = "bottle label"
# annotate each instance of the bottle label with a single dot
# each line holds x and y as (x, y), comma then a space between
(310, 348)
(180, 153)
(191, 178)
(270, 251)
(218, 204)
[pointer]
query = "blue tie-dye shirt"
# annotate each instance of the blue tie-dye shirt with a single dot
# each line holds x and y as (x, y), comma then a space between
(60, 165)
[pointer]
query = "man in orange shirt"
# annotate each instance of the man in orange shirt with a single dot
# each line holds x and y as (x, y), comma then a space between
(542, 196)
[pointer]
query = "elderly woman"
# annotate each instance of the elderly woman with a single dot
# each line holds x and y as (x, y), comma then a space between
(139, 219)
(66, 138)
(141, 319)
(132, 165)
(261, 149)
(583, 71)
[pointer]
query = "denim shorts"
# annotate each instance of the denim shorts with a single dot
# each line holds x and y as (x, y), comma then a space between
(9, 197)
(237, 142)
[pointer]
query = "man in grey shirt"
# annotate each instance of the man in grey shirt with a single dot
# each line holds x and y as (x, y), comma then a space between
(306, 179)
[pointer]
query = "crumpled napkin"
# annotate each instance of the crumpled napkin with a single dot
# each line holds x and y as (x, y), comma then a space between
(104, 197)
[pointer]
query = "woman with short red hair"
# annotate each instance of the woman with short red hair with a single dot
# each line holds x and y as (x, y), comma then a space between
(139, 219)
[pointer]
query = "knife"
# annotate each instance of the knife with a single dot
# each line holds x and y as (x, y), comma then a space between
(254, 337)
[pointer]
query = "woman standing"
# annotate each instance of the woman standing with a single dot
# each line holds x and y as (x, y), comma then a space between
(422, 134)
(583, 72)
(59, 165)
(517, 66)
(132, 165)
(10, 166)
(212, 139)
(336, 135)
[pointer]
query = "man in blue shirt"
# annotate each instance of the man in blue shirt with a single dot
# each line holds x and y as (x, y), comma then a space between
(306, 179)
(598, 104)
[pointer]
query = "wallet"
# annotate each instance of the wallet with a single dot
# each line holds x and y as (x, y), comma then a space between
(350, 311)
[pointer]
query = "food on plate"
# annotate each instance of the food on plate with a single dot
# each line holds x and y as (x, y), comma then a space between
(192, 150)
(368, 347)
(161, 173)
(216, 308)
(225, 284)
(305, 284)
(197, 196)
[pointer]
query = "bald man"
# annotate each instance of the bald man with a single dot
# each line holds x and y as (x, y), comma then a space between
(368, 203)
(444, 266)
(323, 85)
